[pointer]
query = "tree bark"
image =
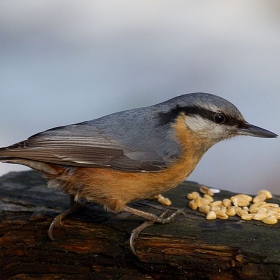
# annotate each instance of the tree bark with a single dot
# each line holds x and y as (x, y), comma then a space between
(94, 244)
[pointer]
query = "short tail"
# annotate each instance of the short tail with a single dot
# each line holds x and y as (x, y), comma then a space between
(8, 155)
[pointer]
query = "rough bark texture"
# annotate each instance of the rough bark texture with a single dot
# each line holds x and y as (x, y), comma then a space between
(93, 244)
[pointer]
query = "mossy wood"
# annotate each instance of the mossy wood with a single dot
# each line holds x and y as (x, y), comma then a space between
(93, 244)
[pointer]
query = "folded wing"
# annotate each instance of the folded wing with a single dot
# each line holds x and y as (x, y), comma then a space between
(82, 145)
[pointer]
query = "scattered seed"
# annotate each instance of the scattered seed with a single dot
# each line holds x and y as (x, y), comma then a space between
(208, 197)
(270, 205)
(227, 202)
(266, 193)
(193, 195)
(259, 197)
(262, 211)
(241, 212)
(274, 209)
(241, 200)
(231, 211)
(221, 215)
(204, 209)
(215, 208)
(259, 217)
(192, 205)
(216, 203)
(201, 201)
(241, 204)
(163, 200)
(243, 196)
(247, 217)
(205, 190)
(270, 220)
(274, 214)
(211, 215)
(254, 207)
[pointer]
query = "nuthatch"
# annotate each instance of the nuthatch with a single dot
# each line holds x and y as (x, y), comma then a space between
(131, 155)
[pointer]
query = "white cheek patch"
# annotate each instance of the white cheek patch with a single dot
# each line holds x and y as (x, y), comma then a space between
(203, 126)
(197, 123)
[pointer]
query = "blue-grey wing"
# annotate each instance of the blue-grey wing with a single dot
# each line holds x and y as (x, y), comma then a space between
(111, 142)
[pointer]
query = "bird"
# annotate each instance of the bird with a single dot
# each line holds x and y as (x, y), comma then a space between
(131, 155)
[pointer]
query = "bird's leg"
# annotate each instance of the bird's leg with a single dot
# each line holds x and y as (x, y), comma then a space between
(150, 220)
(74, 206)
(135, 233)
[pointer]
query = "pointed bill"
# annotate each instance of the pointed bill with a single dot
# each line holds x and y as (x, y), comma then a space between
(255, 131)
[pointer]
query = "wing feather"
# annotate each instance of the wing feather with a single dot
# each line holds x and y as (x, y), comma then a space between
(81, 145)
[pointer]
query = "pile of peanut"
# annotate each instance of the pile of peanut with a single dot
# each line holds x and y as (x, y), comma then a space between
(242, 205)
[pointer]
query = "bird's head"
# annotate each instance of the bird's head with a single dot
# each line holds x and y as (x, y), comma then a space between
(211, 117)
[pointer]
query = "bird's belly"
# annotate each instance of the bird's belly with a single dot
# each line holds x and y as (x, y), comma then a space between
(113, 188)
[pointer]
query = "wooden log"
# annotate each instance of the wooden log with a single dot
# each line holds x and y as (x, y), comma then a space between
(94, 244)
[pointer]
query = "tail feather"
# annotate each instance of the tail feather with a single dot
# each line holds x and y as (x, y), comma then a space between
(8, 155)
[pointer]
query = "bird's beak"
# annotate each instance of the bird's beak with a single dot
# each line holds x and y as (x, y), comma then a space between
(255, 131)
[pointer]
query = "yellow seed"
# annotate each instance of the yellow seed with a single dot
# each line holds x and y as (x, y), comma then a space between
(247, 217)
(215, 208)
(259, 217)
(241, 200)
(192, 195)
(259, 197)
(220, 208)
(255, 206)
(208, 197)
(204, 209)
(241, 212)
(270, 205)
(223, 209)
(231, 211)
(211, 215)
(201, 201)
(270, 211)
(192, 205)
(163, 200)
(262, 211)
(274, 209)
(205, 190)
(274, 214)
(216, 203)
(242, 196)
(270, 220)
(266, 193)
(221, 215)
(166, 201)
(226, 202)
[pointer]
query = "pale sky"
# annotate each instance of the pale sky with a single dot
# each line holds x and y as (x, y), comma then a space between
(67, 61)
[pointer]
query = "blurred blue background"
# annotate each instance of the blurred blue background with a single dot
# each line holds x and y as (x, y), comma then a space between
(63, 62)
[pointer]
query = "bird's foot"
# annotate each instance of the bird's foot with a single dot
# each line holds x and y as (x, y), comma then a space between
(74, 206)
(150, 220)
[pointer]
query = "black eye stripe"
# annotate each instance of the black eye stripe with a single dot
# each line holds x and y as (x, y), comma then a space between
(165, 118)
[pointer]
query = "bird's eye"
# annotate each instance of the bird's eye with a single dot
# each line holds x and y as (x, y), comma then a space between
(219, 118)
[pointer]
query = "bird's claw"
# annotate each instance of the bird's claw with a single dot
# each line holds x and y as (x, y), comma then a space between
(55, 221)
(74, 206)
(135, 233)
